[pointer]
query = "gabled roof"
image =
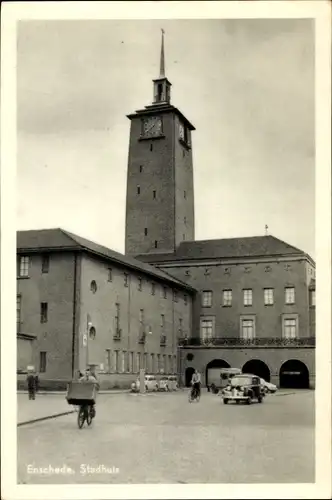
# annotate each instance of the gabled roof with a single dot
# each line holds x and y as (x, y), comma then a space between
(60, 240)
(228, 248)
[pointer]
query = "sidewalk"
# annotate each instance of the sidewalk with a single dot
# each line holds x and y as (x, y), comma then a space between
(46, 405)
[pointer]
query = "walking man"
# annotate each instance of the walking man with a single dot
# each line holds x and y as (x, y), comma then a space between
(31, 380)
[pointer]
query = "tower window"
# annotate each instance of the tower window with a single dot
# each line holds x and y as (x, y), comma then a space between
(185, 220)
(141, 168)
(184, 194)
(154, 195)
(138, 189)
(156, 244)
(151, 147)
(160, 91)
(145, 231)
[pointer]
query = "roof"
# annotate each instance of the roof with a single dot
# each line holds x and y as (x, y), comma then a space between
(61, 240)
(227, 248)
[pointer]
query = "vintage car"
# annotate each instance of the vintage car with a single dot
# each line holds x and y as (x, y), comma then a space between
(244, 387)
(151, 384)
(269, 388)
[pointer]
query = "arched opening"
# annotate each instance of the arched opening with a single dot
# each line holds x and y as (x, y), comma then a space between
(257, 367)
(294, 375)
(189, 374)
(212, 372)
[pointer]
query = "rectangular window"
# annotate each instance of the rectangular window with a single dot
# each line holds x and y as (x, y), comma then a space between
(145, 231)
(154, 195)
(117, 318)
(185, 299)
(162, 320)
(18, 312)
(312, 298)
(138, 361)
(153, 368)
(185, 220)
(42, 361)
(207, 328)
(108, 360)
(165, 363)
(140, 284)
(138, 190)
(43, 312)
(227, 298)
(110, 274)
(141, 316)
(153, 288)
(184, 194)
(169, 364)
(207, 298)
(165, 292)
(268, 296)
(131, 362)
(247, 329)
(290, 295)
(290, 328)
(123, 361)
(24, 267)
(141, 168)
(126, 278)
(45, 263)
(183, 237)
(116, 361)
(247, 297)
(155, 243)
(175, 295)
(180, 327)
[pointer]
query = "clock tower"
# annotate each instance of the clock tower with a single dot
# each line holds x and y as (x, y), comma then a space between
(160, 187)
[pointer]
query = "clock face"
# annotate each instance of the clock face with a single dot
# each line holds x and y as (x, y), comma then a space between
(181, 131)
(152, 126)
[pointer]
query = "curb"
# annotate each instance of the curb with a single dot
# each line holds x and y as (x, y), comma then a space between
(32, 421)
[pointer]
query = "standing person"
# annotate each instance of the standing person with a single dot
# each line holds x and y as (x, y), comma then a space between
(31, 380)
(196, 382)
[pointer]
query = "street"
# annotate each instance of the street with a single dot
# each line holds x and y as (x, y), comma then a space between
(161, 438)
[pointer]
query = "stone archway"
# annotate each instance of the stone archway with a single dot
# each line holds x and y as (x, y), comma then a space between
(257, 367)
(294, 374)
(215, 363)
(188, 375)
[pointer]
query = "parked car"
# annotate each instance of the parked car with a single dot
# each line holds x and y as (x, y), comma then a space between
(151, 384)
(268, 386)
(173, 383)
(164, 384)
(244, 387)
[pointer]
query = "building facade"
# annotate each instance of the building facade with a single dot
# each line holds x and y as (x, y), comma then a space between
(80, 304)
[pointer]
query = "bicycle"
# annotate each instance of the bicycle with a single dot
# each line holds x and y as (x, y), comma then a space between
(194, 395)
(86, 413)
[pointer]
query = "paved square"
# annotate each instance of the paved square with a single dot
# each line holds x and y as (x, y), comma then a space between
(161, 438)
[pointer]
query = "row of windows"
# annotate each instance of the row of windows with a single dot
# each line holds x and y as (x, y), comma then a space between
(154, 193)
(92, 332)
(128, 362)
(247, 328)
(24, 272)
(207, 297)
(24, 264)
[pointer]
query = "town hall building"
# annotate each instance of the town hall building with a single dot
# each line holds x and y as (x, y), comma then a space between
(171, 303)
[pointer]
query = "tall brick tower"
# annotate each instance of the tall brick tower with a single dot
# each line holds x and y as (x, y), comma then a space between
(160, 187)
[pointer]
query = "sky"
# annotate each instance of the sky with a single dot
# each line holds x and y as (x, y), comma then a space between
(246, 85)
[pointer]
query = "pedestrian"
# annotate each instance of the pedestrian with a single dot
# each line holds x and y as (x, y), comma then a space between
(31, 380)
(36, 382)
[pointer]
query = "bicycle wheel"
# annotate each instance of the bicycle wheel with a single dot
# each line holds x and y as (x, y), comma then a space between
(190, 397)
(81, 417)
(90, 415)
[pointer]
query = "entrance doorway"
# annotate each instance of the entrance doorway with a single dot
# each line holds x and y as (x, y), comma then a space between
(258, 368)
(189, 374)
(294, 375)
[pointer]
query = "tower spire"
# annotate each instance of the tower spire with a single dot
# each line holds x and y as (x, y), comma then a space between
(162, 56)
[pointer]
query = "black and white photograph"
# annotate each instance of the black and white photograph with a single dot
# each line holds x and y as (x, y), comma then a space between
(167, 222)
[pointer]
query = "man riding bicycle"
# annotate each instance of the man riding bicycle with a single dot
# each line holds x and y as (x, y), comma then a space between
(89, 377)
(196, 384)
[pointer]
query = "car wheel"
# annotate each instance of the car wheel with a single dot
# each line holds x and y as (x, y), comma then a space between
(237, 401)
(260, 399)
(225, 401)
